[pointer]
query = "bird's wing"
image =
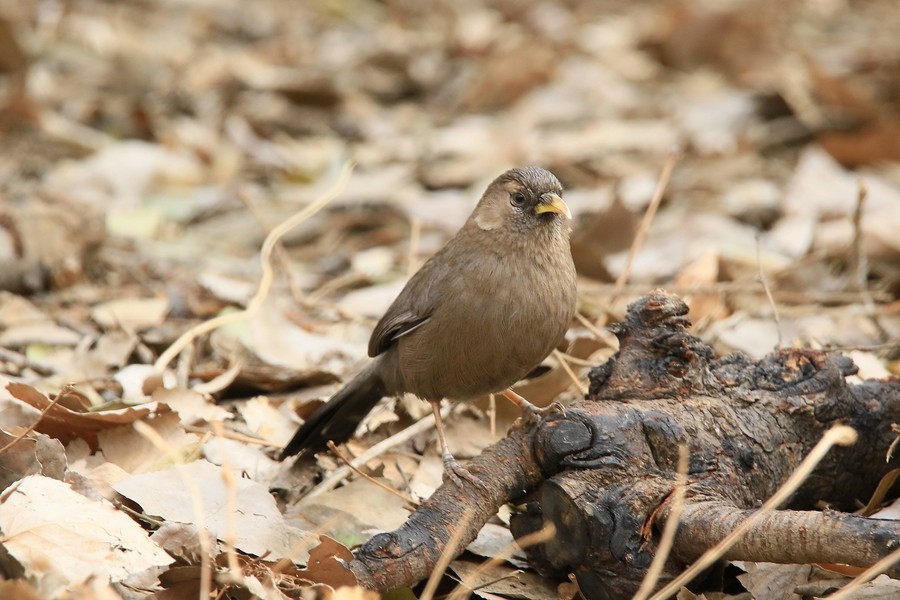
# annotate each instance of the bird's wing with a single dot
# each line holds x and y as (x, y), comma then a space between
(394, 325)
(418, 300)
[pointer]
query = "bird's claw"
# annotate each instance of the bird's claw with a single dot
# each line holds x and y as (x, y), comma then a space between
(456, 472)
(533, 415)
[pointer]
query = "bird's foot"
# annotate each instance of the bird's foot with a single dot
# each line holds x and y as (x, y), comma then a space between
(531, 414)
(456, 472)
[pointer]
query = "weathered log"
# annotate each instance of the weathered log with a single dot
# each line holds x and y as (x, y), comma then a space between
(608, 465)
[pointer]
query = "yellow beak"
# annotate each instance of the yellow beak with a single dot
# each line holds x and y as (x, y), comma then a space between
(552, 203)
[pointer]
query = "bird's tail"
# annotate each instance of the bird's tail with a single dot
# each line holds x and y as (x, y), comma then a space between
(337, 419)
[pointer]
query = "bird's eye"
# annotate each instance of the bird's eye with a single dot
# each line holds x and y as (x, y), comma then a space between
(517, 199)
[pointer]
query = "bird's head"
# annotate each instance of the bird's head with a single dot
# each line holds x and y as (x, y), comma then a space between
(523, 199)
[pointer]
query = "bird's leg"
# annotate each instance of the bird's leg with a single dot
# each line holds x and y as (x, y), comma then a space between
(530, 412)
(452, 468)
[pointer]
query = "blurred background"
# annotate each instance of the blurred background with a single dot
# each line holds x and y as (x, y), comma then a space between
(148, 147)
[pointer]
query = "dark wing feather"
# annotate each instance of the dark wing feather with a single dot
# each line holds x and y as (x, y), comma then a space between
(392, 326)
(419, 298)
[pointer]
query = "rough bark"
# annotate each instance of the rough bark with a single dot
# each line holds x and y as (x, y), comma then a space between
(608, 464)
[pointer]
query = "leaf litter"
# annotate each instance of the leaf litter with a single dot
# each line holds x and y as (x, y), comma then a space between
(149, 151)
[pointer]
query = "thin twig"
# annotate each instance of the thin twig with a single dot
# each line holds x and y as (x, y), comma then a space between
(193, 491)
(862, 260)
(671, 527)
(841, 435)
(265, 281)
(420, 426)
(31, 427)
(446, 556)
(230, 539)
(644, 226)
(762, 279)
(598, 333)
(563, 362)
(869, 574)
(467, 584)
(244, 196)
(334, 449)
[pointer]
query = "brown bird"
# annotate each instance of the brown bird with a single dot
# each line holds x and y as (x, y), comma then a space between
(477, 317)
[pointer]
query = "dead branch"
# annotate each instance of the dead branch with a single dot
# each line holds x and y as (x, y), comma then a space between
(603, 471)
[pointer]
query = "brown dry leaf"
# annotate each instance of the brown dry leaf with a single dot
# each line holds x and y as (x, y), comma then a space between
(504, 581)
(369, 507)
(181, 540)
(262, 590)
(492, 540)
(51, 242)
(191, 406)
(327, 564)
(118, 176)
(266, 421)
(46, 333)
(17, 310)
(67, 425)
(58, 551)
(123, 452)
(250, 459)
(258, 526)
(277, 341)
(873, 145)
(820, 189)
(33, 455)
(126, 448)
(131, 314)
(768, 580)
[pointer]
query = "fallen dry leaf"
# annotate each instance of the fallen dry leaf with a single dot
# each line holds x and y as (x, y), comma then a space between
(66, 425)
(59, 551)
(254, 520)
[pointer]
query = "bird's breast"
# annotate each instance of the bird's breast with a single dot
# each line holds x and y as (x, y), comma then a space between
(495, 323)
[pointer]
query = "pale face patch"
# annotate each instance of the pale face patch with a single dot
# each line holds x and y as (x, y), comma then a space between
(495, 209)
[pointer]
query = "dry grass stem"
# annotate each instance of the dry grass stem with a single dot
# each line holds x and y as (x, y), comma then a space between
(762, 280)
(206, 548)
(564, 363)
(668, 535)
(446, 556)
(265, 281)
(420, 426)
(467, 584)
(644, 226)
(245, 197)
(849, 590)
(880, 493)
(31, 427)
(334, 449)
(230, 540)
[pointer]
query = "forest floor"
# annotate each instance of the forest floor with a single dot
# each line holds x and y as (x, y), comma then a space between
(148, 149)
